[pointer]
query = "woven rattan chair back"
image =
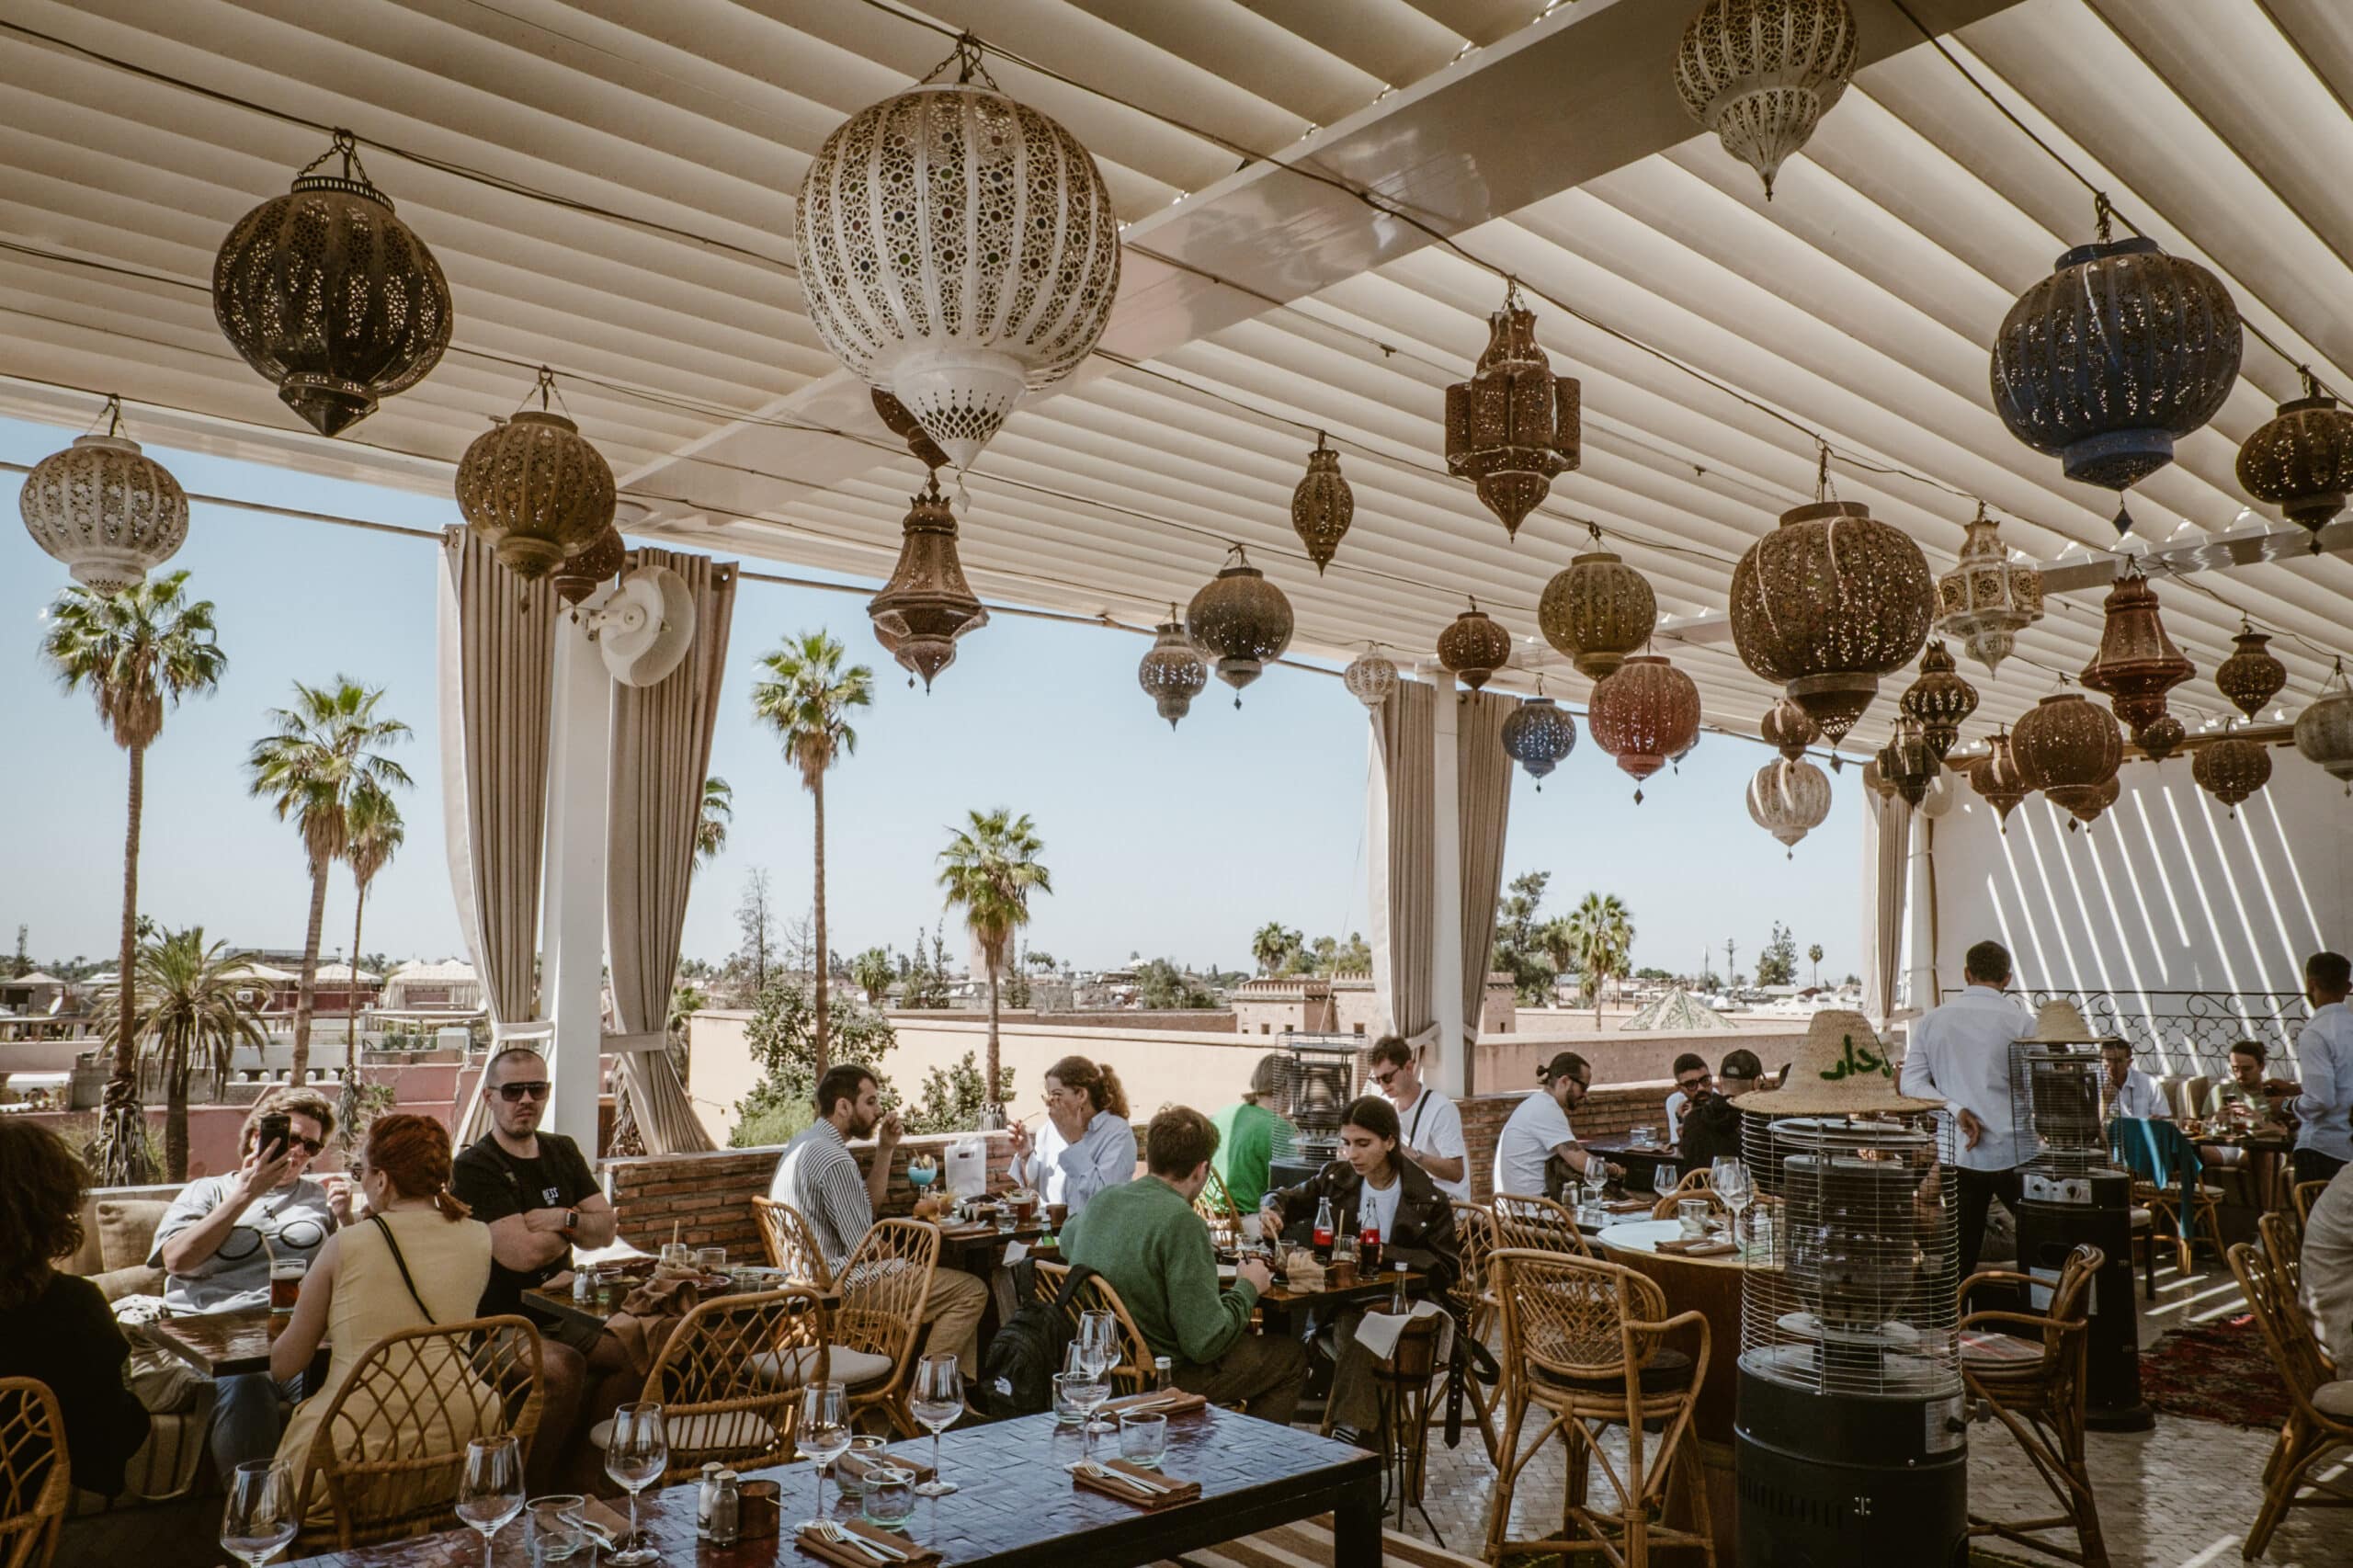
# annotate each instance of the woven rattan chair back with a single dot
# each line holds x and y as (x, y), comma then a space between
(2306, 1194)
(1571, 1317)
(1215, 1206)
(1536, 1224)
(2296, 1353)
(2311, 1438)
(885, 1284)
(35, 1478)
(391, 1447)
(721, 1402)
(1474, 1238)
(2283, 1235)
(791, 1244)
(1133, 1373)
(1698, 1186)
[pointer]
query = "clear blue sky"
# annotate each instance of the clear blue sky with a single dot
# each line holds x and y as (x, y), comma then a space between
(1177, 845)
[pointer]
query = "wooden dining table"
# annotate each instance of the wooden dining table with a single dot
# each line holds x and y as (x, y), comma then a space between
(219, 1344)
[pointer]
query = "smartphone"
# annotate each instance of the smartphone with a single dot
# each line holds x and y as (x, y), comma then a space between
(273, 1134)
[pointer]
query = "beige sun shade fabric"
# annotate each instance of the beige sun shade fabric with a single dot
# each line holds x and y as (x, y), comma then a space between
(497, 680)
(1401, 802)
(661, 755)
(1482, 776)
(1887, 844)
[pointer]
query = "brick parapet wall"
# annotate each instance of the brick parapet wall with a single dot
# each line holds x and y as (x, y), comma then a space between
(1607, 1116)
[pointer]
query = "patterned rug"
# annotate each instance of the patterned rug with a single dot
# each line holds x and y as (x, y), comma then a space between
(2216, 1371)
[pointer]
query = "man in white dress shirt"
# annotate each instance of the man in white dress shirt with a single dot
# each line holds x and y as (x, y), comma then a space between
(1431, 1126)
(1960, 1053)
(2322, 1101)
(2127, 1090)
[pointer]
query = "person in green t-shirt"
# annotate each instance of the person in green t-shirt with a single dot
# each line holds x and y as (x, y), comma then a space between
(1250, 1137)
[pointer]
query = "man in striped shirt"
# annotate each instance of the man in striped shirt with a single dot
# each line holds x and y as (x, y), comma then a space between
(819, 1176)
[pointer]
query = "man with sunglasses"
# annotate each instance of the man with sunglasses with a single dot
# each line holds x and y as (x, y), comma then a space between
(1431, 1127)
(1692, 1079)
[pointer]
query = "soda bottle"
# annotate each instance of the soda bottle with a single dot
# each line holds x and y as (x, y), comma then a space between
(1368, 1247)
(1325, 1230)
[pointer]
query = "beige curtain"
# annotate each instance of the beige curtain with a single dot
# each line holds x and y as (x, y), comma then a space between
(661, 755)
(497, 693)
(1887, 844)
(1482, 783)
(1404, 859)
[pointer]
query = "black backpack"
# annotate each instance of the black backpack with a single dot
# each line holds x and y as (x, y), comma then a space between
(1017, 1371)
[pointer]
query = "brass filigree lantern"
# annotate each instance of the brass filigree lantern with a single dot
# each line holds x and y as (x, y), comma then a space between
(2324, 730)
(1370, 676)
(1644, 713)
(591, 566)
(1788, 730)
(1875, 781)
(2067, 748)
(1908, 762)
(1538, 735)
(535, 488)
(1789, 800)
(1239, 620)
(1322, 506)
(1940, 701)
(1474, 646)
(2161, 737)
(1512, 427)
(1172, 675)
(2137, 662)
(1987, 598)
(1995, 778)
(2302, 460)
(327, 294)
(108, 510)
(2231, 768)
(2089, 808)
(2250, 676)
(927, 604)
(1761, 74)
(1598, 610)
(1826, 603)
(907, 427)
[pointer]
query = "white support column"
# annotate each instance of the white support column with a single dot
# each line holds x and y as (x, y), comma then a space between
(1920, 918)
(572, 915)
(1446, 931)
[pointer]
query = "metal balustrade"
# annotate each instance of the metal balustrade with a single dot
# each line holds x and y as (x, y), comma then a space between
(2184, 1034)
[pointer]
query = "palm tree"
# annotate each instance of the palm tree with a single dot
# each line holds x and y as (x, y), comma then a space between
(1601, 933)
(990, 869)
(191, 1003)
(325, 752)
(1813, 957)
(376, 834)
(718, 811)
(872, 972)
(132, 650)
(806, 699)
(1272, 947)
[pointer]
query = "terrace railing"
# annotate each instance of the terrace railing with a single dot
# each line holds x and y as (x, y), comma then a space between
(2184, 1034)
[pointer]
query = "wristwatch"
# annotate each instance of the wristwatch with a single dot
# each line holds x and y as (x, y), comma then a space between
(571, 1221)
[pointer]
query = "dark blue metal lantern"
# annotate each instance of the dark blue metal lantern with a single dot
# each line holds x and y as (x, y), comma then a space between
(1538, 735)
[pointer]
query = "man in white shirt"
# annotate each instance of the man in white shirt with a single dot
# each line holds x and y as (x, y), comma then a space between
(1692, 1079)
(1960, 1053)
(2127, 1090)
(1538, 1129)
(1431, 1127)
(2327, 1269)
(2322, 1101)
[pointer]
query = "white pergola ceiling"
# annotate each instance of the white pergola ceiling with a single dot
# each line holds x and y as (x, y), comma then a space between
(1258, 304)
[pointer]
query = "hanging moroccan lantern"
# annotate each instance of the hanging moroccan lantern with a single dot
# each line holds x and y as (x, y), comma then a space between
(1761, 74)
(2137, 662)
(1908, 762)
(1512, 427)
(104, 508)
(2250, 676)
(2324, 730)
(957, 249)
(1172, 675)
(2120, 353)
(1240, 620)
(1597, 611)
(926, 605)
(2067, 748)
(1322, 506)
(1987, 598)
(1789, 799)
(1995, 777)
(2088, 809)
(904, 425)
(1369, 677)
(1788, 730)
(2231, 768)
(330, 296)
(1938, 701)
(1875, 781)
(592, 566)
(2161, 737)
(1642, 714)
(535, 488)
(2301, 461)
(1826, 603)
(1473, 646)
(1538, 735)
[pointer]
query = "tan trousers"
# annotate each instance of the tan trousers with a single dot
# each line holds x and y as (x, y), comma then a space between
(953, 1311)
(1266, 1374)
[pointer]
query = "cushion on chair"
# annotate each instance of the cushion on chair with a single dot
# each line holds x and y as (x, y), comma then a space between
(743, 1429)
(1998, 1352)
(127, 1230)
(2334, 1399)
(2142, 1218)
(1667, 1371)
(843, 1365)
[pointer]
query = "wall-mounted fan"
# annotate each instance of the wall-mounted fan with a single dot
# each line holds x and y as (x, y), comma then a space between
(642, 625)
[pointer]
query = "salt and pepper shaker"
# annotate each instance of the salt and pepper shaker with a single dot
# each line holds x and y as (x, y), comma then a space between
(706, 1498)
(1163, 1376)
(726, 1510)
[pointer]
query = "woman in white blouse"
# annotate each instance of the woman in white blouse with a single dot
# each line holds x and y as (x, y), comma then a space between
(1086, 1144)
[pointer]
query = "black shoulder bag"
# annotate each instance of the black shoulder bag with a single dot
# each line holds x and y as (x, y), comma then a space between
(402, 1264)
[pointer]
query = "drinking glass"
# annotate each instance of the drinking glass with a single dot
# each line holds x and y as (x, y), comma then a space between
(937, 1400)
(1733, 1186)
(555, 1529)
(890, 1497)
(1143, 1437)
(490, 1493)
(677, 1253)
(259, 1519)
(824, 1432)
(1074, 1372)
(922, 1171)
(635, 1456)
(711, 1260)
(1085, 1391)
(1665, 1178)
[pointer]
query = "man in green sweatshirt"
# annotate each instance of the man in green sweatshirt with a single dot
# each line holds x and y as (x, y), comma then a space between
(1145, 1238)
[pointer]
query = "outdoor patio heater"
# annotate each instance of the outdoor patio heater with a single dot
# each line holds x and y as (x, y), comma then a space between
(1319, 1079)
(1851, 1444)
(2072, 1195)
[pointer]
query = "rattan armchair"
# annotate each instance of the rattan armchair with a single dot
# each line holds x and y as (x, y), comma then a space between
(1699, 1184)
(2283, 1235)
(885, 1284)
(1587, 1342)
(1134, 1374)
(2320, 1411)
(1537, 1224)
(1473, 1301)
(791, 1244)
(392, 1446)
(36, 1481)
(2027, 1372)
(1215, 1206)
(2306, 1194)
(714, 1380)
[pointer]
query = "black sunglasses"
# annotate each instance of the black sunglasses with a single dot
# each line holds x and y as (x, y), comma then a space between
(1692, 1086)
(536, 1089)
(309, 1145)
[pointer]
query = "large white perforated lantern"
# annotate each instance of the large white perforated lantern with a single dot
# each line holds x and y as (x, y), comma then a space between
(957, 249)
(108, 510)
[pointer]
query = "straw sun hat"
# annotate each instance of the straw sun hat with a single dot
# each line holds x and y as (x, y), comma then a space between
(2061, 1023)
(1841, 1068)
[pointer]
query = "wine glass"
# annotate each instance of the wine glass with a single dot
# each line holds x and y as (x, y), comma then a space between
(636, 1456)
(1665, 1179)
(824, 1432)
(1088, 1397)
(259, 1519)
(1099, 1347)
(490, 1493)
(1733, 1187)
(938, 1400)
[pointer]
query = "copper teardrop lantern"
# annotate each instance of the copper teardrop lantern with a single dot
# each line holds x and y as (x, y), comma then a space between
(1908, 762)
(1474, 646)
(1370, 676)
(2250, 676)
(2231, 768)
(2302, 460)
(104, 508)
(2137, 662)
(2324, 730)
(1995, 777)
(1538, 735)
(1788, 730)
(2089, 808)
(1761, 74)
(1644, 713)
(1987, 598)
(591, 566)
(535, 488)
(1940, 701)
(1598, 610)
(1239, 620)
(907, 427)
(2067, 748)
(327, 294)
(1171, 674)
(1322, 506)
(1789, 800)
(1512, 427)
(2161, 737)
(926, 605)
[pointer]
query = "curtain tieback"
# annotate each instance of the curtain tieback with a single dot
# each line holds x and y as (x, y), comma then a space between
(624, 1044)
(522, 1029)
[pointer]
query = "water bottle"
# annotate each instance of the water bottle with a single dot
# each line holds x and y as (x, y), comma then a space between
(1325, 1230)
(1163, 1376)
(1399, 1302)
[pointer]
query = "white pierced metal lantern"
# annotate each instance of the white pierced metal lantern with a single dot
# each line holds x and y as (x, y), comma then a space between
(1789, 799)
(1761, 74)
(104, 508)
(1240, 620)
(2302, 460)
(2324, 730)
(1369, 677)
(1598, 610)
(535, 490)
(927, 604)
(1322, 506)
(330, 296)
(1513, 426)
(1645, 714)
(1538, 735)
(1995, 777)
(1987, 598)
(1172, 675)
(957, 249)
